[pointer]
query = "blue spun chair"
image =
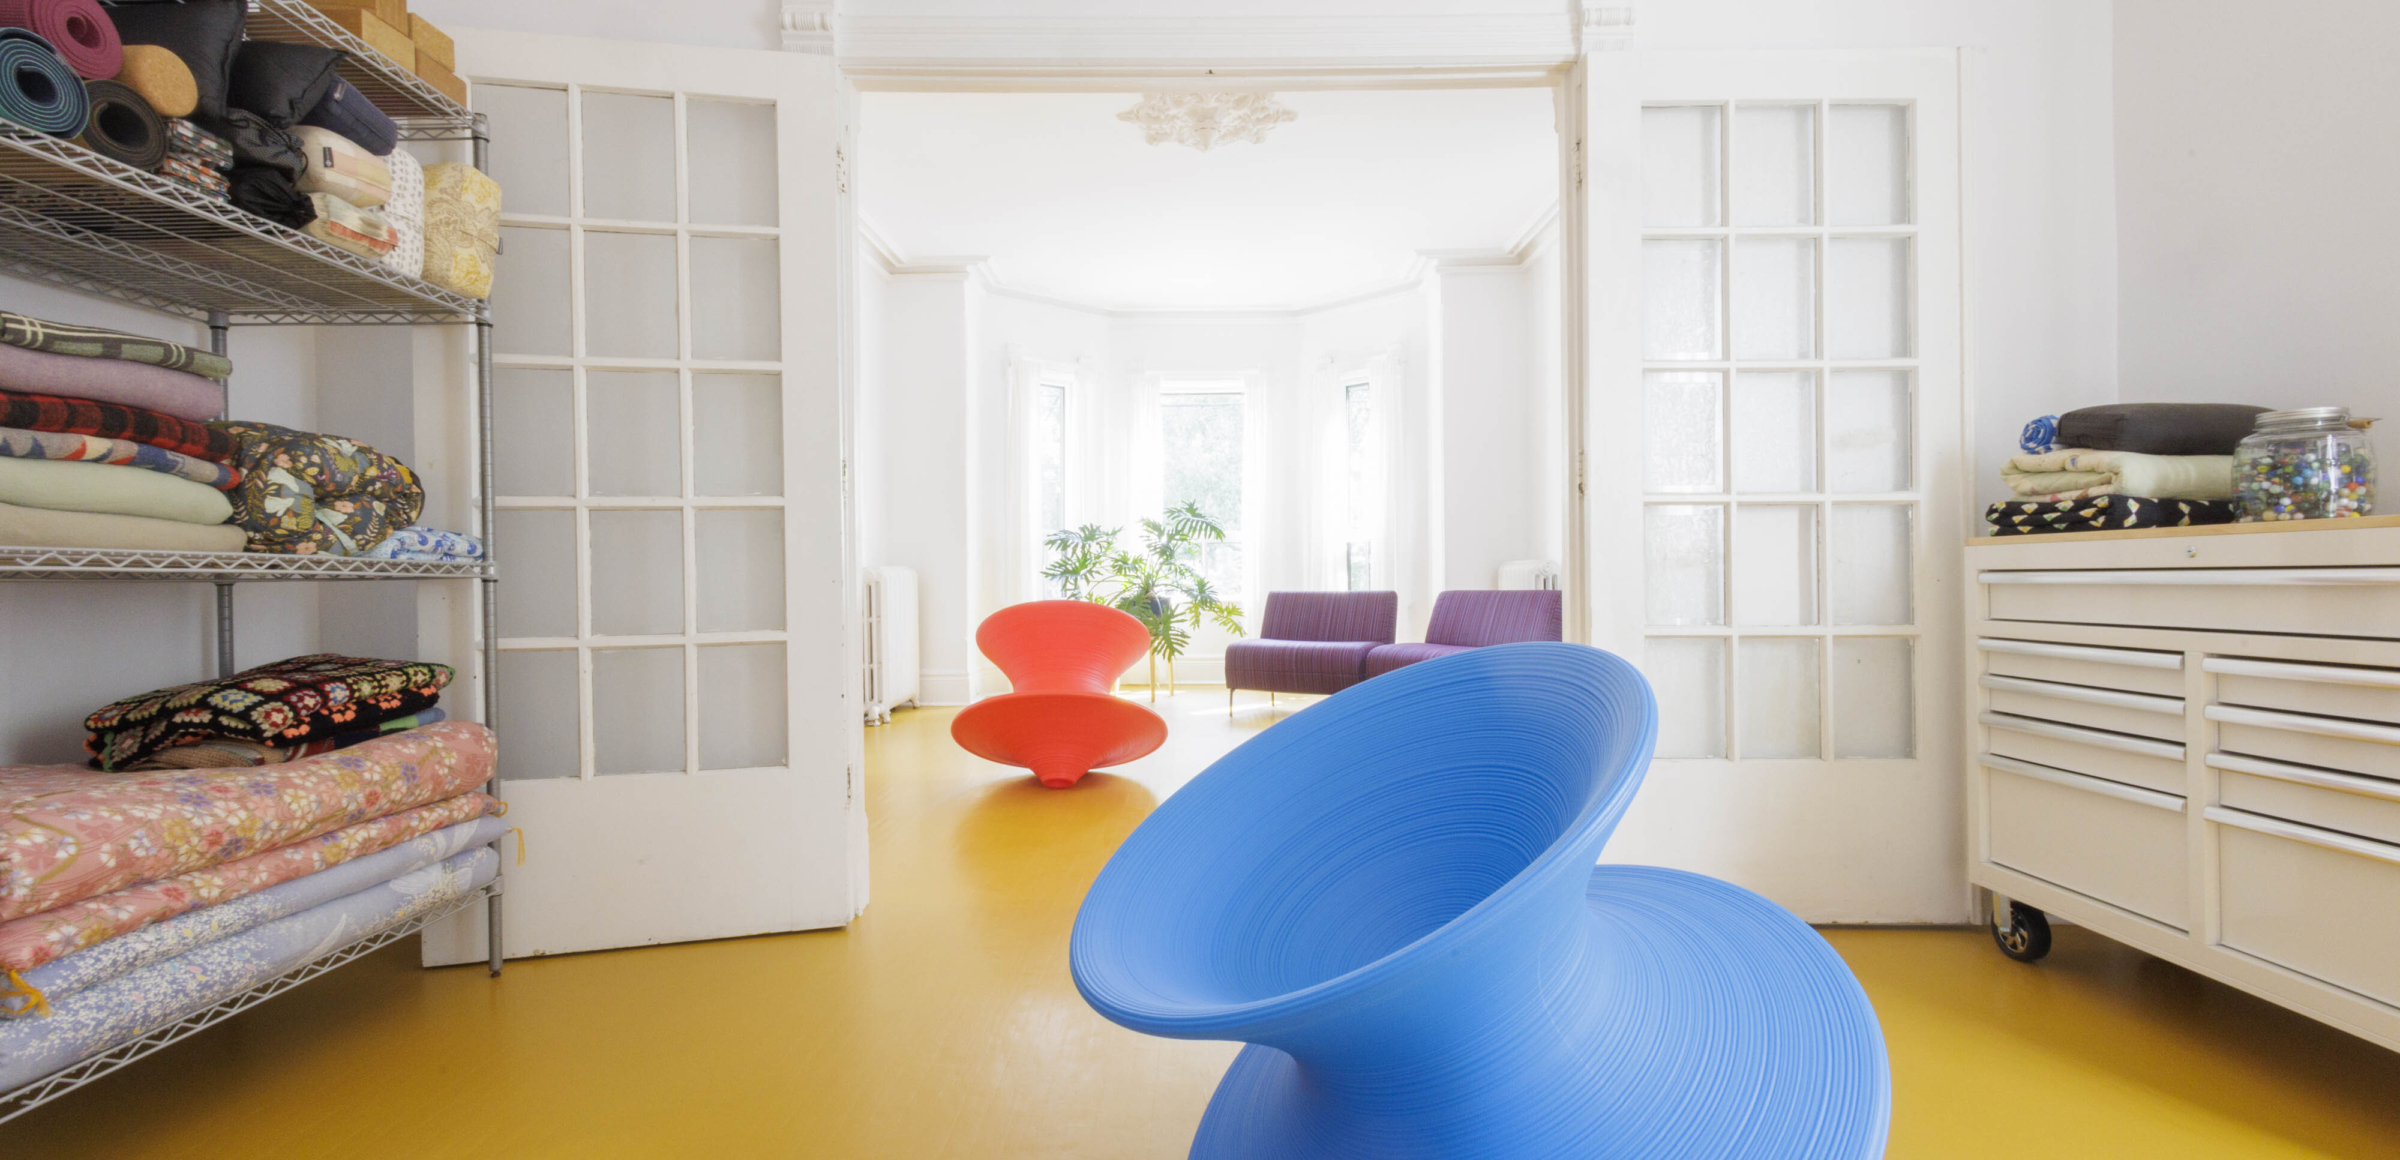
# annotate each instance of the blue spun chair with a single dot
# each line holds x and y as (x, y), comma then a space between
(1391, 897)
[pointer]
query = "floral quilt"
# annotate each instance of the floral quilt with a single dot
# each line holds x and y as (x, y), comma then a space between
(28, 942)
(308, 494)
(69, 832)
(283, 704)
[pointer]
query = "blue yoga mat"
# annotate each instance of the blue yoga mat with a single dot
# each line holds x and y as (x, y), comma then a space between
(1392, 898)
(38, 90)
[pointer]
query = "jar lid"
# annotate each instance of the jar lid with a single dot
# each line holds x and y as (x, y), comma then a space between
(2304, 415)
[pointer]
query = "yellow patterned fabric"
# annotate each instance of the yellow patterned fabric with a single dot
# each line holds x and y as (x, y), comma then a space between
(462, 228)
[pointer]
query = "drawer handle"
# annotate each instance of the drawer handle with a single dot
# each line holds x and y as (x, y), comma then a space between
(2205, 577)
(2113, 698)
(2363, 847)
(2085, 782)
(2374, 787)
(2322, 674)
(2303, 723)
(2105, 740)
(2077, 652)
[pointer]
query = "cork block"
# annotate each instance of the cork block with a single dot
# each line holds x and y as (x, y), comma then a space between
(432, 42)
(392, 12)
(378, 34)
(434, 73)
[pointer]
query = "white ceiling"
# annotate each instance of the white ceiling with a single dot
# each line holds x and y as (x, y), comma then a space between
(1064, 200)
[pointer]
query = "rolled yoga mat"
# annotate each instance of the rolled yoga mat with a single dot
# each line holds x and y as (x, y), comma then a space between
(80, 31)
(162, 78)
(123, 127)
(37, 89)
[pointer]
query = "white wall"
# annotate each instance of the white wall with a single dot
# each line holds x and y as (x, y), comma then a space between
(72, 647)
(913, 482)
(724, 23)
(2255, 170)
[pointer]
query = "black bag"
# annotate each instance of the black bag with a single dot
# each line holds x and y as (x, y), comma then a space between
(2159, 428)
(257, 143)
(348, 112)
(205, 34)
(281, 82)
(269, 193)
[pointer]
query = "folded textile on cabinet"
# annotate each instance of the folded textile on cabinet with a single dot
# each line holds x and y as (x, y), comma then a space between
(61, 485)
(126, 384)
(2102, 512)
(97, 964)
(31, 527)
(96, 342)
(304, 698)
(116, 421)
(427, 545)
(29, 942)
(2078, 473)
(309, 494)
(2160, 428)
(70, 832)
(66, 445)
(110, 1013)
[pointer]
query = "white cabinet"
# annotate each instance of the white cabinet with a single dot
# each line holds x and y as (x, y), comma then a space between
(2188, 739)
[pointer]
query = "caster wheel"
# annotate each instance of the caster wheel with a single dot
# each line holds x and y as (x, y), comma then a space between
(2027, 938)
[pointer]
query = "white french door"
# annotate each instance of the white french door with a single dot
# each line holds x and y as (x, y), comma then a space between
(1776, 450)
(676, 735)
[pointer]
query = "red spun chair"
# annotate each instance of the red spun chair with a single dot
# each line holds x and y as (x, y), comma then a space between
(1062, 722)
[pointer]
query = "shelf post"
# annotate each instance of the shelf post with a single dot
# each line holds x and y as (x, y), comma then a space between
(488, 588)
(219, 336)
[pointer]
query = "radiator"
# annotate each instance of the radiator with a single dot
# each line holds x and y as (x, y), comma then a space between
(890, 624)
(1528, 574)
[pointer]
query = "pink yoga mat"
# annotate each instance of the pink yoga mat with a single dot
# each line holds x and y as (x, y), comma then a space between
(79, 30)
(185, 396)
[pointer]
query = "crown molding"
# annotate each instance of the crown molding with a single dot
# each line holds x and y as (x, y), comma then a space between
(1535, 41)
(898, 265)
(1606, 27)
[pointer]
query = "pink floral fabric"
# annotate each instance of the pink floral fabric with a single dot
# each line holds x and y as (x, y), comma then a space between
(28, 942)
(69, 832)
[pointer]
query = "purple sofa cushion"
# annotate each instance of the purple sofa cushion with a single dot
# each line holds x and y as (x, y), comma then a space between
(1296, 666)
(1477, 618)
(1385, 658)
(1331, 616)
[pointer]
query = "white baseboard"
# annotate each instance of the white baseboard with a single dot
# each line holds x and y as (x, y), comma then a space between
(941, 688)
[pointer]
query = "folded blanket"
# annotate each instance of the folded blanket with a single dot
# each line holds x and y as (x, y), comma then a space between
(406, 214)
(115, 421)
(2103, 512)
(232, 753)
(185, 139)
(2078, 474)
(96, 342)
(69, 832)
(308, 494)
(2159, 428)
(20, 444)
(98, 964)
(429, 545)
(344, 226)
(28, 942)
(105, 380)
(107, 488)
(42, 528)
(164, 992)
(285, 703)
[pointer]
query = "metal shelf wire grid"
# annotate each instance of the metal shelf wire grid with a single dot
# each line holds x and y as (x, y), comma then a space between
(382, 80)
(145, 563)
(58, 1083)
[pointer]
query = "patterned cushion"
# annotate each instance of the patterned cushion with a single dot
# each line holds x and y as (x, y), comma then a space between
(1296, 666)
(282, 703)
(406, 214)
(1400, 656)
(462, 228)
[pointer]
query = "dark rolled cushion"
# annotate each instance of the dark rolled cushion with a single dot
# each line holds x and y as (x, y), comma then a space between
(282, 82)
(2159, 428)
(268, 192)
(206, 34)
(347, 112)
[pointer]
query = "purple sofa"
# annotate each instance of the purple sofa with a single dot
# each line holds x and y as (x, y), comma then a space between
(1472, 619)
(1312, 642)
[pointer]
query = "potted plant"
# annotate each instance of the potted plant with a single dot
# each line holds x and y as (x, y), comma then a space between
(1156, 584)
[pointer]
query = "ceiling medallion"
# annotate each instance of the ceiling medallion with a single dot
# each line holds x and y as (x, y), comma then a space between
(1206, 120)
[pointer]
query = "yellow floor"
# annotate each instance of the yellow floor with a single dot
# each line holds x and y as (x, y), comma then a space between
(943, 1025)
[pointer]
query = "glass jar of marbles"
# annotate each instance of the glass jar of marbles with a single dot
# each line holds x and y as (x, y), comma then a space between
(2309, 464)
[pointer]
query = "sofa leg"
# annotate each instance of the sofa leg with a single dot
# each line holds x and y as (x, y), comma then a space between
(1229, 700)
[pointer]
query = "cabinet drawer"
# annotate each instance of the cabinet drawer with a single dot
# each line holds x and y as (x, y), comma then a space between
(2121, 845)
(2317, 902)
(2311, 601)
(2331, 690)
(2138, 761)
(2366, 806)
(2141, 714)
(2133, 670)
(2306, 739)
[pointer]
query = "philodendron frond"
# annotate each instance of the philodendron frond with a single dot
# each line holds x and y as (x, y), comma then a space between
(1159, 584)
